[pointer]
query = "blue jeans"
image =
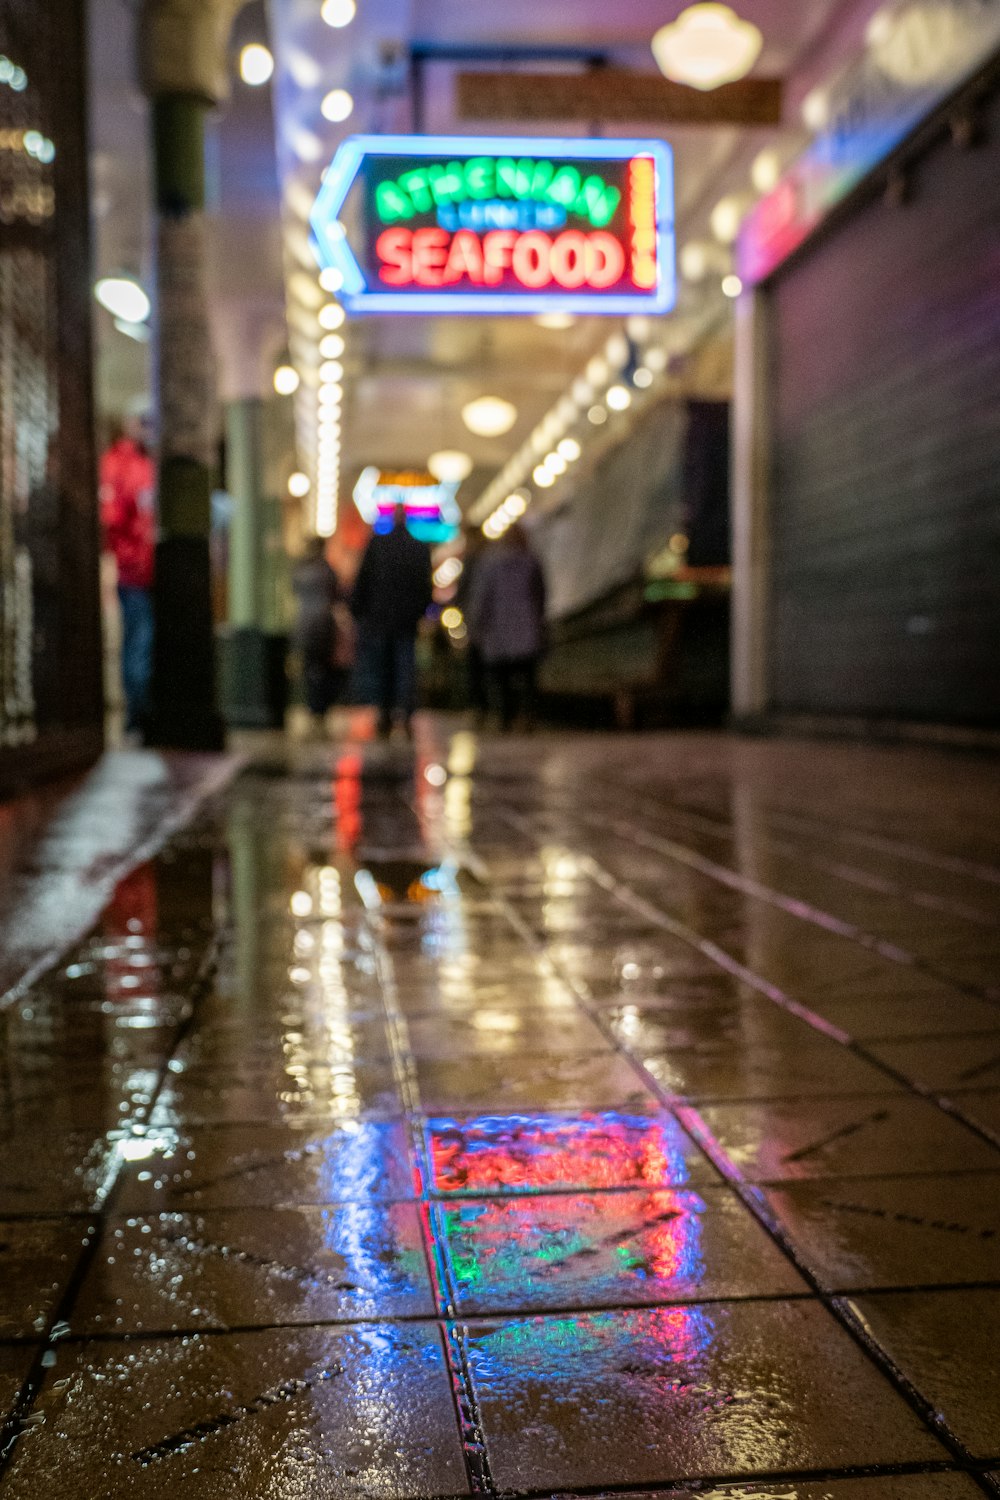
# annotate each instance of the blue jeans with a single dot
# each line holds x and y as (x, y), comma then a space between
(137, 650)
(395, 667)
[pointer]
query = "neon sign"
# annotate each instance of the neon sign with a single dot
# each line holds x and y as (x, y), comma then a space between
(442, 224)
(432, 512)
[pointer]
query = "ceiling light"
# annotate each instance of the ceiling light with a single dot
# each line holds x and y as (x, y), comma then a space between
(765, 171)
(332, 369)
(331, 280)
(597, 371)
(617, 350)
(618, 398)
(657, 357)
(543, 477)
(286, 380)
(727, 216)
(731, 286)
(583, 392)
(569, 449)
(331, 316)
(331, 346)
(339, 12)
(815, 110)
(298, 484)
(643, 378)
(694, 261)
(556, 322)
(597, 415)
(140, 332)
(637, 328)
(256, 65)
(450, 465)
(123, 298)
(337, 106)
(515, 505)
(708, 45)
(556, 464)
(489, 416)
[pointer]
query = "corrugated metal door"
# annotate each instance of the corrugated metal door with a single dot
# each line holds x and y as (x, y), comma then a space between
(886, 497)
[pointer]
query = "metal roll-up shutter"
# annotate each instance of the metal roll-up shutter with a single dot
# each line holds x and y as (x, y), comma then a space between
(886, 452)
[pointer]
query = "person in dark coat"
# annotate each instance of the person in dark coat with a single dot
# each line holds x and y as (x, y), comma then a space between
(475, 667)
(391, 595)
(507, 618)
(317, 590)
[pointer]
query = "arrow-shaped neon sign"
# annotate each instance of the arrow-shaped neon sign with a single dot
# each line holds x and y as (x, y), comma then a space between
(446, 224)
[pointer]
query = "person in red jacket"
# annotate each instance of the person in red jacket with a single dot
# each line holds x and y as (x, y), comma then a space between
(128, 522)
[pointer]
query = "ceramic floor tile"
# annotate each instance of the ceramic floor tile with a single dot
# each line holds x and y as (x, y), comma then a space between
(900, 1019)
(855, 1137)
(55, 1171)
(945, 1063)
(980, 1106)
(247, 1268)
(588, 1081)
(546, 1152)
(886, 1232)
(677, 1392)
(727, 1068)
(15, 1363)
(246, 1166)
(607, 1249)
(37, 1258)
(338, 1092)
(947, 1486)
(946, 1344)
(504, 1031)
(353, 1413)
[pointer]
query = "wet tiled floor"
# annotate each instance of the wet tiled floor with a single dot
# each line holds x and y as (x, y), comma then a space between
(571, 1116)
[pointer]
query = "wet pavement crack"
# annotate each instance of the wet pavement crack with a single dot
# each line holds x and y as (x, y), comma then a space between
(181, 1441)
(916, 1220)
(263, 1262)
(875, 1118)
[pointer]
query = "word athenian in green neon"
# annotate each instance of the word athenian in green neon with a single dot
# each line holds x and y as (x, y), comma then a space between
(482, 178)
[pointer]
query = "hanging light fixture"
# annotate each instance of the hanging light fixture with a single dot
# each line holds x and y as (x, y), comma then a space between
(708, 45)
(450, 466)
(489, 416)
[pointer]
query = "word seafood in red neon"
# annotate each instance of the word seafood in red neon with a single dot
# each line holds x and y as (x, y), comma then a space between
(533, 259)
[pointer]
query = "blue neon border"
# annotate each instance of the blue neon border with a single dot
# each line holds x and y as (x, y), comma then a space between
(334, 250)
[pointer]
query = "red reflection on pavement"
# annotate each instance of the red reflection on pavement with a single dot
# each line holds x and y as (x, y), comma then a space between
(533, 1153)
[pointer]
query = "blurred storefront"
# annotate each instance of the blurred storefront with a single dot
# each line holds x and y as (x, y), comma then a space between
(50, 645)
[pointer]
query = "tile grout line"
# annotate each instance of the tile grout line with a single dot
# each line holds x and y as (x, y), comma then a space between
(753, 1201)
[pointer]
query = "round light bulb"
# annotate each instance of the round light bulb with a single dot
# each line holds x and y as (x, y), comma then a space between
(450, 465)
(337, 106)
(569, 449)
(298, 484)
(731, 286)
(489, 416)
(256, 65)
(339, 13)
(708, 45)
(331, 280)
(124, 298)
(618, 398)
(286, 380)
(332, 316)
(331, 346)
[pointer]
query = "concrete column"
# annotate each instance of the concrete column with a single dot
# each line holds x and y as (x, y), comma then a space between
(182, 67)
(244, 471)
(750, 488)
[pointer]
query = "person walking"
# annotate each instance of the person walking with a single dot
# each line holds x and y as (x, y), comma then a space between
(476, 683)
(507, 618)
(128, 523)
(317, 593)
(392, 592)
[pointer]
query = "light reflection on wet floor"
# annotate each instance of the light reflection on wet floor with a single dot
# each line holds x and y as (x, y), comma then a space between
(509, 1135)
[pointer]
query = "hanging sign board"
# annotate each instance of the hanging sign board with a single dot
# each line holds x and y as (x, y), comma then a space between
(499, 225)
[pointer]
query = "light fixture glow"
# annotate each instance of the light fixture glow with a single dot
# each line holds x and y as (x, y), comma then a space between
(731, 286)
(331, 280)
(815, 109)
(286, 380)
(489, 416)
(708, 45)
(450, 465)
(331, 369)
(515, 505)
(618, 398)
(643, 378)
(569, 449)
(332, 316)
(555, 322)
(727, 216)
(765, 170)
(331, 346)
(543, 477)
(298, 484)
(339, 13)
(337, 106)
(597, 415)
(256, 65)
(124, 298)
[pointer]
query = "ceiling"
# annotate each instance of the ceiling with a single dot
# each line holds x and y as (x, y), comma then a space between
(406, 377)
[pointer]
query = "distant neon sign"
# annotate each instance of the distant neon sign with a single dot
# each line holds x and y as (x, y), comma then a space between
(442, 224)
(432, 512)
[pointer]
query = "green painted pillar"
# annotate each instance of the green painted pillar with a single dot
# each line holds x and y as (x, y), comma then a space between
(244, 466)
(182, 64)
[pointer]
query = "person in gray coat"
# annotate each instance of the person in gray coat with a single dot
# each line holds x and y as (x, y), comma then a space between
(507, 619)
